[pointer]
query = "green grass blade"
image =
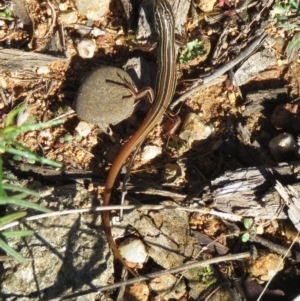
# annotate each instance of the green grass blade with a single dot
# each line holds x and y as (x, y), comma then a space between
(2, 191)
(9, 178)
(31, 155)
(8, 131)
(22, 203)
(10, 251)
(20, 146)
(282, 18)
(293, 43)
(20, 189)
(10, 117)
(21, 196)
(33, 127)
(12, 217)
(295, 4)
(18, 233)
(289, 25)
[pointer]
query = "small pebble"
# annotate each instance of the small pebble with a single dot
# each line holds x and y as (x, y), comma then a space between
(150, 152)
(93, 9)
(283, 146)
(86, 48)
(83, 128)
(59, 158)
(171, 172)
(286, 116)
(193, 129)
(133, 250)
(119, 42)
(67, 18)
(43, 70)
(63, 6)
(96, 32)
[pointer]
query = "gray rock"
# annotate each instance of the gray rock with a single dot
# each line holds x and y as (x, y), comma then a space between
(165, 232)
(172, 172)
(283, 146)
(86, 48)
(150, 152)
(193, 129)
(93, 9)
(68, 254)
(133, 250)
(67, 18)
(168, 286)
(102, 97)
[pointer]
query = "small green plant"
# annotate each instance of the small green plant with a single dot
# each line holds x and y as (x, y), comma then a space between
(248, 223)
(68, 138)
(78, 137)
(283, 11)
(14, 194)
(6, 14)
(176, 145)
(206, 276)
(19, 158)
(191, 51)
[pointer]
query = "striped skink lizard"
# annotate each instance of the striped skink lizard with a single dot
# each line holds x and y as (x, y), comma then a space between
(164, 92)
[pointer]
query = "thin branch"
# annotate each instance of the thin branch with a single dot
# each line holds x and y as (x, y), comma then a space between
(50, 31)
(118, 207)
(88, 210)
(158, 274)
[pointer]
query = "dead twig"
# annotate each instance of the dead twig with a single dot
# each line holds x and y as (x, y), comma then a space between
(53, 20)
(88, 210)
(179, 269)
(117, 207)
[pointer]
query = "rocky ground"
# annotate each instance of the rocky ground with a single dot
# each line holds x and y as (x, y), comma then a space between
(220, 175)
